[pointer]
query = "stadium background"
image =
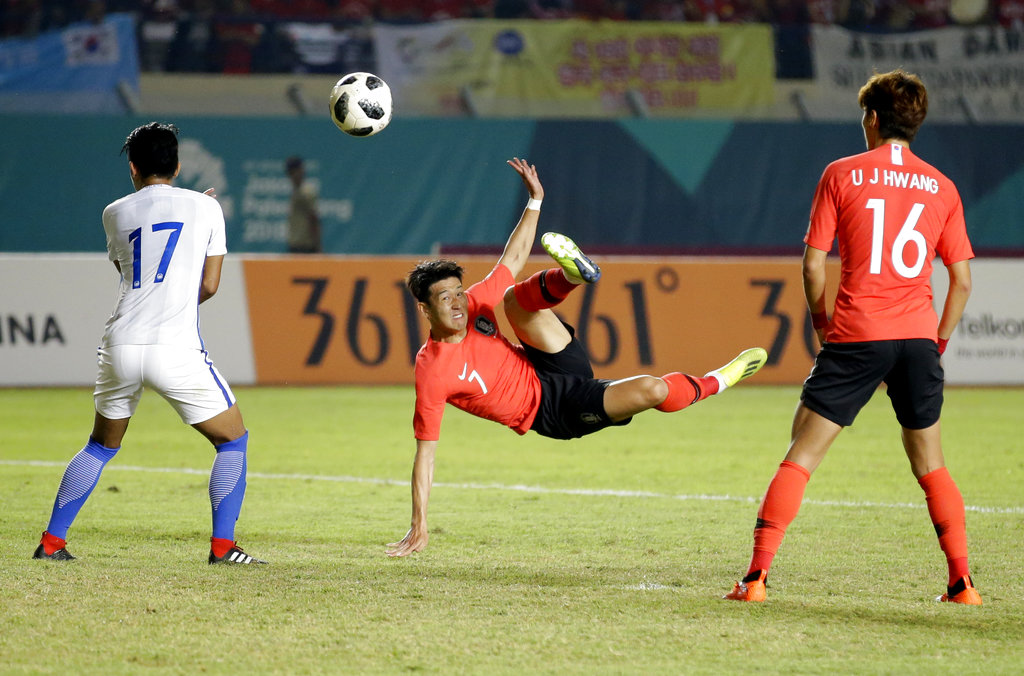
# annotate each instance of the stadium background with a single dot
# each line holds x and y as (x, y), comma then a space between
(682, 152)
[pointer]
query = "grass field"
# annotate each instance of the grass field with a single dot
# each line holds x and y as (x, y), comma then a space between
(603, 555)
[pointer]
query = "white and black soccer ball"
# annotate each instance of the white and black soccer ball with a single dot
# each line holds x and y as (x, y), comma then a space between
(361, 104)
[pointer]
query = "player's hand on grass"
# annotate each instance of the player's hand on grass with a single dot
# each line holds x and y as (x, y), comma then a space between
(414, 541)
(212, 192)
(528, 173)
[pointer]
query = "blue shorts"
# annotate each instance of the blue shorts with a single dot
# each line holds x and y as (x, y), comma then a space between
(571, 400)
(845, 375)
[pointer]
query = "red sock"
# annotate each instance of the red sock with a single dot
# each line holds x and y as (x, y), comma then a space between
(779, 507)
(946, 508)
(684, 390)
(220, 546)
(51, 543)
(546, 289)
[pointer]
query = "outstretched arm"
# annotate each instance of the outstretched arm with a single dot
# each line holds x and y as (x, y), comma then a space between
(520, 242)
(422, 478)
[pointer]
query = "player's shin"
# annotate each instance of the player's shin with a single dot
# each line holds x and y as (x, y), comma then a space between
(684, 390)
(80, 478)
(543, 290)
(946, 509)
(227, 489)
(779, 507)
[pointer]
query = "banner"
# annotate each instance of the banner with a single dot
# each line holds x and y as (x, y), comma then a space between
(972, 73)
(77, 69)
(353, 321)
(988, 344)
(619, 186)
(576, 68)
(53, 310)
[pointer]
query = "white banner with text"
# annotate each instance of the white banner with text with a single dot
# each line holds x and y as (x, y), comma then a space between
(971, 73)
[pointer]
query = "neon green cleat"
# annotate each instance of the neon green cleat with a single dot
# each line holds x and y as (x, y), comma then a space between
(577, 267)
(742, 367)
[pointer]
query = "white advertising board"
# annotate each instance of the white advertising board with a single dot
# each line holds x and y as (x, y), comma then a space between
(987, 347)
(53, 309)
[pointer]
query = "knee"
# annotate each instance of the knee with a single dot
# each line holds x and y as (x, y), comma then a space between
(510, 302)
(239, 443)
(655, 391)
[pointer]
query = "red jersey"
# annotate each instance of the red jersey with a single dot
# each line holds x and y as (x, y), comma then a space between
(892, 214)
(484, 374)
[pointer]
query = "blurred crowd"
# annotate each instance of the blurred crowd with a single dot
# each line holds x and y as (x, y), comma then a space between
(244, 36)
(26, 17)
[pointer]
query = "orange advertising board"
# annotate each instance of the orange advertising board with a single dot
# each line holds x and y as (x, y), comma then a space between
(351, 320)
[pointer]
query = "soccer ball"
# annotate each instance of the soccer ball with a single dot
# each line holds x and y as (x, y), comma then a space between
(361, 104)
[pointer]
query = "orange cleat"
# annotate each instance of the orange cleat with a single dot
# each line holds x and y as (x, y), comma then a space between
(750, 588)
(962, 592)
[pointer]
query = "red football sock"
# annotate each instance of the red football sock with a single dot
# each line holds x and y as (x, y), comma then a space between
(684, 390)
(220, 546)
(546, 289)
(946, 509)
(778, 509)
(51, 543)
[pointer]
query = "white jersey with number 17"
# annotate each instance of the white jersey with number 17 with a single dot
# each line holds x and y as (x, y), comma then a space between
(160, 236)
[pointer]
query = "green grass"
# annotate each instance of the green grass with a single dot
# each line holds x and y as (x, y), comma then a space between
(537, 562)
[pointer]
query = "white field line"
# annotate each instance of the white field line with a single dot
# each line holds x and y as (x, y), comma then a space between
(520, 488)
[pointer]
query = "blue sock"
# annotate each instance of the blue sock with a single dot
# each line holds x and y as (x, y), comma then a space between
(80, 478)
(227, 486)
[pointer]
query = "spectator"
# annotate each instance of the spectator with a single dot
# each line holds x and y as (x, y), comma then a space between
(478, 9)
(311, 10)
(616, 10)
(827, 12)
(21, 18)
(859, 14)
(95, 11)
(303, 218)
(511, 9)
(663, 10)
(928, 14)
(400, 11)
(551, 9)
(789, 12)
(190, 48)
(236, 37)
(1010, 14)
(442, 10)
(158, 25)
(354, 11)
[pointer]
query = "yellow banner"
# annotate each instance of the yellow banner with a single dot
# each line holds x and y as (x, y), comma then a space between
(577, 68)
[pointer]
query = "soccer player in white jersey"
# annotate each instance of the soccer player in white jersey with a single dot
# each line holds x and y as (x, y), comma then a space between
(168, 244)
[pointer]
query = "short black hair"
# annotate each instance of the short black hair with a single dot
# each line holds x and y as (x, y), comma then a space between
(428, 273)
(153, 149)
(900, 100)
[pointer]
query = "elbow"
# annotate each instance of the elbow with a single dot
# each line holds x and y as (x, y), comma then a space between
(207, 290)
(813, 273)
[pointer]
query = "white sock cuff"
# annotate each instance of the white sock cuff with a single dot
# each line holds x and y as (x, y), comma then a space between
(722, 385)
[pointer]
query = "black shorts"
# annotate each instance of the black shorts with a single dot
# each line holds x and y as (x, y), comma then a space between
(845, 375)
(571, 399)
